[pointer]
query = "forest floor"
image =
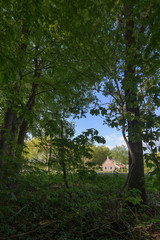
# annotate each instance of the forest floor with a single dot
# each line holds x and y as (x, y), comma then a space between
(40, 207)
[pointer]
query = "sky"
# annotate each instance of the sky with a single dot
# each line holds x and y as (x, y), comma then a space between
(112, 136)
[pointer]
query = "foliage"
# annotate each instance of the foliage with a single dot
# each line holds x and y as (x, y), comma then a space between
(100, 154)
(31, 149)
(129, 79)
(40, 208)
(120, 154)
(133, 197)
(37, 82)
(49, 152)
(54, 57)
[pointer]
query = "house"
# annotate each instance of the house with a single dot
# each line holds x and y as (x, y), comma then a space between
(110, 165)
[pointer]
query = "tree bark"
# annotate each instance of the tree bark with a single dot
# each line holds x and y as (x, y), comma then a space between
(136, 167)
(5, 139)
(6, 128)
(12, 136)
(62, 158)
(24, 123)
(49, 156)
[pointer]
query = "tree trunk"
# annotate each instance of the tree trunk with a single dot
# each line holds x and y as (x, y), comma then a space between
(5, 132)
(12, 137)
(136, 167)
(62, 158)
(49, 155)
(24, 124)
(137, 174)
(21, 137)
(5, 139)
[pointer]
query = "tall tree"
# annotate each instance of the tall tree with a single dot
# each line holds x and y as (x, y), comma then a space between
(120, 154)
(114, 38)
(34, 62)
(100, 154)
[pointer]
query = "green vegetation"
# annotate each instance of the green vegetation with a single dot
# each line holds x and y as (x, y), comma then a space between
(40, 207)
(99, 154)
(56, 57)
(120, 154)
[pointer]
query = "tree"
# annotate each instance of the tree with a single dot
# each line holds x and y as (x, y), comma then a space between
(100, 154)
(120, 154)
(34, 64)
(108, 47)
(20, 74)
(125, 64)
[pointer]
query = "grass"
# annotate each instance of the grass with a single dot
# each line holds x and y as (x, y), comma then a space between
(40, 207)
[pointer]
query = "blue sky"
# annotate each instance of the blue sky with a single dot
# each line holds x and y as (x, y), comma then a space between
(112, 136)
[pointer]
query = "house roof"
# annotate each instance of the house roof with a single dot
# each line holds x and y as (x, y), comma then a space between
(118, 165)
(121, 165)
(108, 160)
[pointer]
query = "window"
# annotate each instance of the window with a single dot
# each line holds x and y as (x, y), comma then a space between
(105, 168)
(110, 168)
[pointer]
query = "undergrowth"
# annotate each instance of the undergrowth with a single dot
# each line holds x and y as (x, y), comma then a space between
(39, 206)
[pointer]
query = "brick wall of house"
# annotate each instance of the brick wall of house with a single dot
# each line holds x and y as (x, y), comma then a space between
(109, 165)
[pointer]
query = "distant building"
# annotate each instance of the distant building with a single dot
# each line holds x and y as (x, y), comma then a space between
(110, 165)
